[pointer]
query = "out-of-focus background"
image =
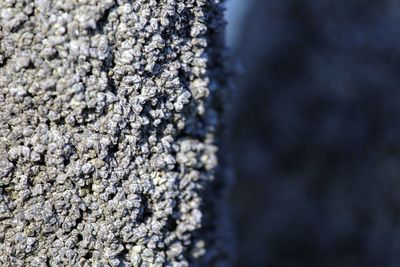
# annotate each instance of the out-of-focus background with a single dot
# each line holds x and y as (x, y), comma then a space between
(316, 132)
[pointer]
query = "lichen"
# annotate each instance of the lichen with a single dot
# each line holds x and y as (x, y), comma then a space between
(108, 129)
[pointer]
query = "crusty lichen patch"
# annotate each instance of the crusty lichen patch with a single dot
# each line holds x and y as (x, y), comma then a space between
(107, 131)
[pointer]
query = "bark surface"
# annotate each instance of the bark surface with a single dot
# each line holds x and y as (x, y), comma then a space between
(109, 115)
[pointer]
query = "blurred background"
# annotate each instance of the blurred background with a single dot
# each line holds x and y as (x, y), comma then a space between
(316, 132)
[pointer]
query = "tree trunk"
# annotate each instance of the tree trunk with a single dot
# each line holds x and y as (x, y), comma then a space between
(109, 116)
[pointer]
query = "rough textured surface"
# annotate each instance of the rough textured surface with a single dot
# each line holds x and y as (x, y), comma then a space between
(108, 126)
(320, 155)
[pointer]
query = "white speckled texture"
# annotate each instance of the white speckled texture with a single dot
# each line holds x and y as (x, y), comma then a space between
(109, 118)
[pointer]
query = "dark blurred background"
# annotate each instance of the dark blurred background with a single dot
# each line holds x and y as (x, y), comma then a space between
(316, 132)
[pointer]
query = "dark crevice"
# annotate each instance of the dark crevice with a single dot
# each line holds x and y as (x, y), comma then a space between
(104, 18)
(88, 188)
(80, 219)
(30, 66)
(80, 238)
(88, 255)
(113, 149)
(110, 80)
(17, 28)
(4, 62)
(171, 224)
(145, 211)
(123, 255)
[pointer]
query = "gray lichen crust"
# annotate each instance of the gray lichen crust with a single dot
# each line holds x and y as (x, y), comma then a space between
(108, 122)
